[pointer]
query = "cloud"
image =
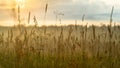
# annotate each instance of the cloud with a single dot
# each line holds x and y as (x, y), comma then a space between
(73, 9)
(96, 10)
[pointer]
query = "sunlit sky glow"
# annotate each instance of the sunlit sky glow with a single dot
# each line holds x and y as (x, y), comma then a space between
(94, 10)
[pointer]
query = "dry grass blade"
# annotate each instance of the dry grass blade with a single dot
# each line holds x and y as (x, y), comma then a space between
(14, 13)
(94, 32)
(35, 20)
(46, 8)
(29, 17)
(83, 17)
(76, 25)
(111, 15)
(19, 15)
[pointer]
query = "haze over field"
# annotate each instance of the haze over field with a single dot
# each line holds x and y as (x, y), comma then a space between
(94, 10)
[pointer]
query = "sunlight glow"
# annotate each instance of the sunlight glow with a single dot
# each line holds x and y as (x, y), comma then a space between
(91, 1)
(20, 3)
(74, 1)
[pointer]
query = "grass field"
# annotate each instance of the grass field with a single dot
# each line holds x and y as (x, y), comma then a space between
(72, 46)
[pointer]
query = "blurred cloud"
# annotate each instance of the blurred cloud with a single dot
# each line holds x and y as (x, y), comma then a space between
(73, 9)
(93, 9)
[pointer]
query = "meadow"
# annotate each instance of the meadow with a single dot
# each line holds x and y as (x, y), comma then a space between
(72, 46)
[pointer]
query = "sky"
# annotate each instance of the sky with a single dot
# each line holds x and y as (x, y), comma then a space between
(94, 10)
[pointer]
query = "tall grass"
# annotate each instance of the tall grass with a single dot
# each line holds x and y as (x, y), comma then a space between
(34, 49)
(73, 46)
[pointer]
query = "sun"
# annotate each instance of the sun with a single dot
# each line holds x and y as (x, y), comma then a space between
(20, 3)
